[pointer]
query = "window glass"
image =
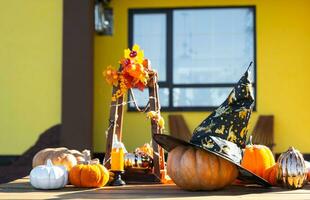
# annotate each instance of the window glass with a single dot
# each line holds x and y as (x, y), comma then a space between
(143, 97)
(199, 97)
(212, 45)
(149, 31)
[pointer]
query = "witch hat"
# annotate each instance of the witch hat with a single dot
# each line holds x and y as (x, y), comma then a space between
(224, 131)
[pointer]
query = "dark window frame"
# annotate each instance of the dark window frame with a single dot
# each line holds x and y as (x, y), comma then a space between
(169, 56)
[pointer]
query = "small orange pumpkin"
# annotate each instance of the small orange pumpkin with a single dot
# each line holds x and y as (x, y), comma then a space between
(196, 169)
(89, 174)
(257, 158)
(271, 174)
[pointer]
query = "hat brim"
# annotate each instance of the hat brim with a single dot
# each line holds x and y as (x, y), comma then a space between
(169, 142)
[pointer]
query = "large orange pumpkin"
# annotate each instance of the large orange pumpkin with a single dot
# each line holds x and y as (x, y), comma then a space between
(271, 174)
(90, 174)
(196, 169)
(257, 158)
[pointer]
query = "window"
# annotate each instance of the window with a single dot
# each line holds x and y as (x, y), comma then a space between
(200, 53)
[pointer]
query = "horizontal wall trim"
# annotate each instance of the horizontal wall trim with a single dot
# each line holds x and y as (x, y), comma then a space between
(8, 159)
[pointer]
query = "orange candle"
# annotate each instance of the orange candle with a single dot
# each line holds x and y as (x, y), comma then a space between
(117, 159)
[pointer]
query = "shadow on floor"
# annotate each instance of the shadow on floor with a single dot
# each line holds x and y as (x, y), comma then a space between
(23, 165)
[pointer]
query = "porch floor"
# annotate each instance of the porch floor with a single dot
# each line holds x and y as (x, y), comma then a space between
(21, 189)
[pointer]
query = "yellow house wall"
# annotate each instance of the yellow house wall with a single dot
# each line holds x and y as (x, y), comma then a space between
(283, 70)
(30, 78)
(30, 63)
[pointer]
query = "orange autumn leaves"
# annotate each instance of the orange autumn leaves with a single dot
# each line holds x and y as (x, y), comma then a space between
(111, 76)
(132, 74)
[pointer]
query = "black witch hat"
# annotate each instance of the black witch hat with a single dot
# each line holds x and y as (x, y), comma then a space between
(224, 131)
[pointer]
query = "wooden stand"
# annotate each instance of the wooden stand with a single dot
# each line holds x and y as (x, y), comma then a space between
(115, 127)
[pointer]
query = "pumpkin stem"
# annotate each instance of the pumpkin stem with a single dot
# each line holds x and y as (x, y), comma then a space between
(87, 157)
(95, 161)
(49, 163)
(291, 148)
(88, 160)
(250, 143)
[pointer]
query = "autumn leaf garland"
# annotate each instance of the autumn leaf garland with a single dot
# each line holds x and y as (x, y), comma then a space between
(133, 73)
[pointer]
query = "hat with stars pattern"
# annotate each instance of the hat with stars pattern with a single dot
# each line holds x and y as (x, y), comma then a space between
(224, 131)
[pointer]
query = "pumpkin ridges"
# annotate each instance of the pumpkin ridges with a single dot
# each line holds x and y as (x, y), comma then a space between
(258, 169)
(98, 174)
(247, 160)
(104, 179)
(74, 175)
(86, 176)
(224, 173)
(233, 172)
(178, 173)
(196, 168)
(271, 158)
(170, 162)
(260, 161)
(174, 156)
(230, 174)
(220, 172)
(214, 169)
(267, 158)
(266, 174)
(203, 159)
(273, 177)
(195, 174)
(80, 172)
(210, 160)
(188, 161)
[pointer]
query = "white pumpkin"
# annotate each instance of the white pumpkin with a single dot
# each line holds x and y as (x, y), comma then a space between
(48, 176)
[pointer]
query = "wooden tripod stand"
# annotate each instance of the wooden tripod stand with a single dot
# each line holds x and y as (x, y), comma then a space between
(115, 127)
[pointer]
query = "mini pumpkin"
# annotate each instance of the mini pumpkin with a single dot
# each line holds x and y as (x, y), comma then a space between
(257, 158)
(89, 174)
(48, 176)
(292, 169)
(271, 174)
(196, 169)
(58, 156)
